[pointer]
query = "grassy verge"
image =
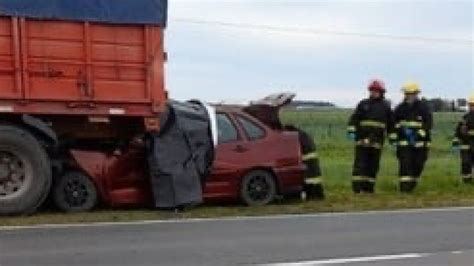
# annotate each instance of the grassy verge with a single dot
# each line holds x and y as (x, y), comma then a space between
(336, 202)
(440, 186)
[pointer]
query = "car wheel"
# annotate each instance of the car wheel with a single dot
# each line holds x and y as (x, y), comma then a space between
(258, 188)
(75, 192)
(25, 172)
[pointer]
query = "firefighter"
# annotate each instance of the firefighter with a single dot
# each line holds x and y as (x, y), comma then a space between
(313, 183)
(413, 123)
(368, 126)
(464, 142)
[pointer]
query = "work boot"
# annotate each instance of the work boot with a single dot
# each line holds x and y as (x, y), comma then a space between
(357, 186)
(407, 186)
(468, 179)
(369, 187)
(314, 191)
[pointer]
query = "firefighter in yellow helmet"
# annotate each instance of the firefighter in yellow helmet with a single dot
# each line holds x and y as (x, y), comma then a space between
(413, 124)
(464, 142)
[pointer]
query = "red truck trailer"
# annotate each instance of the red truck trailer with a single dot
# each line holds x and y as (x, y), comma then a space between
(73, 74)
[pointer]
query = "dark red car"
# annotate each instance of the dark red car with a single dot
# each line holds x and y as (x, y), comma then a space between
(255, 161)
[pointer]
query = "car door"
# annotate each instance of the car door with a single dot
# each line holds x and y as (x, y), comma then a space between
(257, 145)
(227, 166)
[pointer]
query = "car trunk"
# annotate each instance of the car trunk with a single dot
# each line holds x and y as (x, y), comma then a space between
(267, 110)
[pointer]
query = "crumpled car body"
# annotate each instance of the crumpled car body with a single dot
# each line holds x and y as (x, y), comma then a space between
(245, 144)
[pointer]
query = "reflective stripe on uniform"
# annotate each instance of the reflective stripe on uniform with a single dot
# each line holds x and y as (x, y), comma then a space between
(418, 144)
(309, 156)
(403, 143)
(465, 147)
(372, 123)
(470, 132)
(412, 124)
(407, 179)
(351, 128)
(358, 178)
(393, 136)
(313, 181)
(368, 144)
(363, 179)
(467, 177)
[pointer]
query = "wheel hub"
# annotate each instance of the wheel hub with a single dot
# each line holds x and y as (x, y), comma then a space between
(258, 188)
(4, 172)
(12, 174)
(75, 193)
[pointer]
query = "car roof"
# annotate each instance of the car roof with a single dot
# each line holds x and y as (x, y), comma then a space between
(229, 108)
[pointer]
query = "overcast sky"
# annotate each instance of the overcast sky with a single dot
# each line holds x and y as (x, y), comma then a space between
(217, 62)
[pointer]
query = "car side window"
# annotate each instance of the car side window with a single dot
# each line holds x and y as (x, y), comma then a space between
(226, 129)
(252, 130)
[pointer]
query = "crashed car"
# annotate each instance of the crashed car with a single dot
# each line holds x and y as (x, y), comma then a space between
(255, 161)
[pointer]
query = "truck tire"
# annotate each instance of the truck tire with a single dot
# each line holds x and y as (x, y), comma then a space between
(75, 192)
(258, 188)
(25, 172)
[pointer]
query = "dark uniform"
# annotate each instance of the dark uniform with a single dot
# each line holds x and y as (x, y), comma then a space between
(313, 186)
(413, 124)
(464, 139)
(370, 122)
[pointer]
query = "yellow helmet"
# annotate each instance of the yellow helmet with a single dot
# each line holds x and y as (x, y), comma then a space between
(411, 87)
(471, 99)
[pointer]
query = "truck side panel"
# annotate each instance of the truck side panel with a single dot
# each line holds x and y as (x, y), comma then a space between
(54, 60)
(85, 67)
(119, 57)
(10, 72)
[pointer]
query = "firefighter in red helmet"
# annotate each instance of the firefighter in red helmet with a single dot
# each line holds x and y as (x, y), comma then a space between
(368, 126)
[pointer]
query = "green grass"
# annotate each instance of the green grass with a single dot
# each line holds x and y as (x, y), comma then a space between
(439, 187)
(441, 172)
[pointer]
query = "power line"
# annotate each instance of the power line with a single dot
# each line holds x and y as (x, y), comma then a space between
(309, 31)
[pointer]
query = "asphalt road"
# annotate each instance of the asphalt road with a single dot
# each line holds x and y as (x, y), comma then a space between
(431, 237)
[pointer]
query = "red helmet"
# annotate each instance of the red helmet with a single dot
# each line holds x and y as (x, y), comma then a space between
(377, 85)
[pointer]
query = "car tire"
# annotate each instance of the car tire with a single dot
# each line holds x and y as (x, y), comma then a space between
(75, 192)
(258, 188)
(25, 172)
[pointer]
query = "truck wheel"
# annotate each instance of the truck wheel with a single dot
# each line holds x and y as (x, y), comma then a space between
(258, 188)
(75, 192)
(25, 172)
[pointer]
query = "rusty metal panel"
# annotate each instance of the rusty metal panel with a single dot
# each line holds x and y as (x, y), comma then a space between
(82, 64)
(10, 72)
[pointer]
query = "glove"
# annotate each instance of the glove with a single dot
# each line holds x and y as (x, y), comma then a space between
(351, 136)
(421, 133)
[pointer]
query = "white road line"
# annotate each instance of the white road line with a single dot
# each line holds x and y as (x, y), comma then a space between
(353, 260)
(234, 218)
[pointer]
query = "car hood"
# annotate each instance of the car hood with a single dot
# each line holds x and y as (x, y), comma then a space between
(267, 109)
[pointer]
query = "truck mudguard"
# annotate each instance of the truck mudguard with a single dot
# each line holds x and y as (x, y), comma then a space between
(40, 127)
